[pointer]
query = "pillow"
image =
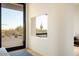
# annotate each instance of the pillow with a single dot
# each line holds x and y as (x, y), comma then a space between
(3, 52)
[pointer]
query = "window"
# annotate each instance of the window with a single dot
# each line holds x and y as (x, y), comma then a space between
(12, 25)
(39, 26)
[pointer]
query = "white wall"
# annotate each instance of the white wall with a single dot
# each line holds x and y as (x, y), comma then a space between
(33, 26)
(60, 29)
(76, 21)
(27, 26)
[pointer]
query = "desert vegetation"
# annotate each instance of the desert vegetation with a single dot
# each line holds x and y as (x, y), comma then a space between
(12, 37)
(13, 32)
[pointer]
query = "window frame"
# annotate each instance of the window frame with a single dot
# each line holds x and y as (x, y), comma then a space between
(24, 32)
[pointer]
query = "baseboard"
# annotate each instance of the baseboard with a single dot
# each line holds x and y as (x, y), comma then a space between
(34, 53)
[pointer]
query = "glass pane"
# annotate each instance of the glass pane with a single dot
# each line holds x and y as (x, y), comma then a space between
(41, 26)
(12, 25)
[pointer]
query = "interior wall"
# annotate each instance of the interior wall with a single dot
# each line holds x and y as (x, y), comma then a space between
(60, 29)
(27, 26)
(76, 21)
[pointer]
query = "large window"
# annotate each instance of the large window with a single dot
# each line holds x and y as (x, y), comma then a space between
(12, 25)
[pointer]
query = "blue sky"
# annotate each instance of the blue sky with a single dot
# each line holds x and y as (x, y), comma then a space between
(11, 18)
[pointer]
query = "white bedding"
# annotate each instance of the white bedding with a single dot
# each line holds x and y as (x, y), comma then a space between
(3, 52)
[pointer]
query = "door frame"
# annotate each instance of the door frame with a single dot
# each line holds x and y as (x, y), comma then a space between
(24, 32)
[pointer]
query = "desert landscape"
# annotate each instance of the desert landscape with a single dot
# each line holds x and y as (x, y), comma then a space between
(12, 37)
